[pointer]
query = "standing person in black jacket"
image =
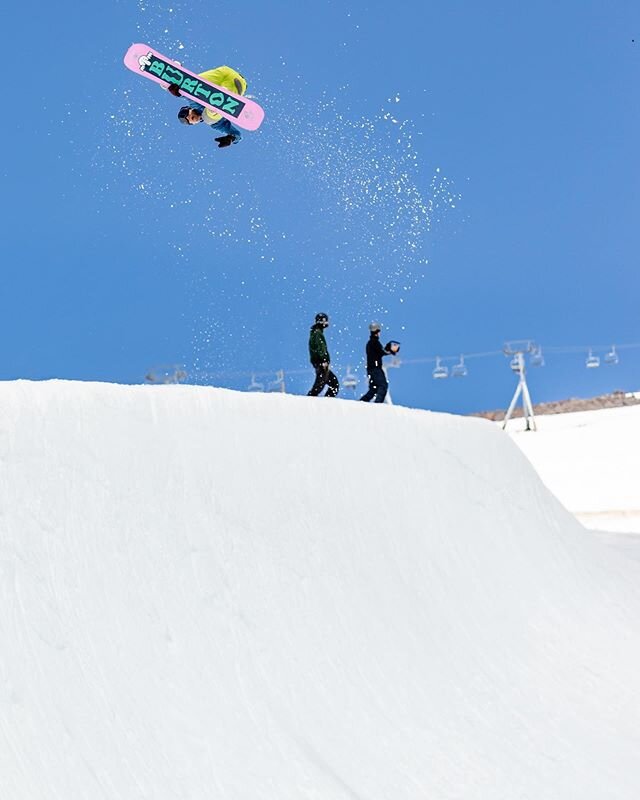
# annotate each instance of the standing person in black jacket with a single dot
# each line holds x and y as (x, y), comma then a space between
(378, 384)
(319, 357)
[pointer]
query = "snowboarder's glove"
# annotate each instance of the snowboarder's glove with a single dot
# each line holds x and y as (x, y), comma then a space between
(173, 89)
(225, 141)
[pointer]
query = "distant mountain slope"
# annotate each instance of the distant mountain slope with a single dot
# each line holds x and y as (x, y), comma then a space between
(612, 400)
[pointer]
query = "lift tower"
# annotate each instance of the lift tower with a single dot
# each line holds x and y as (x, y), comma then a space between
(517, 351)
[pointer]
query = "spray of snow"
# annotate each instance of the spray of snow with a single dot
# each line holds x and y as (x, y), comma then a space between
(355, 173)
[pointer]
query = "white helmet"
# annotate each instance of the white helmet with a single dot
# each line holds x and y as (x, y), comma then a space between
(375, 326)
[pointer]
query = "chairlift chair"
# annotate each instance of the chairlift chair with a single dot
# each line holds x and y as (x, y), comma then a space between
(349, 381)
(173, 373)
(277, 385)
(592, 361)
(537, 359)
(517, 363)
(611, 357)
(440, 371)
(254, 386)
(459, 370)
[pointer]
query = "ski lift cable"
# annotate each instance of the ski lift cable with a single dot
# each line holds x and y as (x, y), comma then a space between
(456, 357)
(547, 349)
(586, 348)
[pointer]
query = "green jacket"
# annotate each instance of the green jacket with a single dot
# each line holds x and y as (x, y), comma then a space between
(318, 351)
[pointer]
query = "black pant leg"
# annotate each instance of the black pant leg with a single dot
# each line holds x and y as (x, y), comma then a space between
(334, 384)
(319, 383)
(368, 395)
(378, 386)
(382, 385)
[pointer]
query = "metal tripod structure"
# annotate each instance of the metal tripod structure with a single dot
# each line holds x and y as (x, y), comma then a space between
(517, 352)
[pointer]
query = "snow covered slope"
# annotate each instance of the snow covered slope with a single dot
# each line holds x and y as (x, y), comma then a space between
(591, 461)
(208, 594)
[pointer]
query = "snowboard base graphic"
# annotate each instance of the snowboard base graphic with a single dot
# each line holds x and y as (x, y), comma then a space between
(145, 61)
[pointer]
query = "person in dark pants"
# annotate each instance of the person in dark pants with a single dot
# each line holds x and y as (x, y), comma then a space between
(378, 384)
(320, 360)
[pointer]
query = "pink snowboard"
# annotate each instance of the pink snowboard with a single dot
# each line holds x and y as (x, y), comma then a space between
(146, 61)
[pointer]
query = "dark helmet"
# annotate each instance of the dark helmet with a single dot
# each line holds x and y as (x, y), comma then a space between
(322, 319)
(183, 114)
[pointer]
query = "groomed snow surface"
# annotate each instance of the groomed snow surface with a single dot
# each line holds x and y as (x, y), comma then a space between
(591, 461)
(207, 595)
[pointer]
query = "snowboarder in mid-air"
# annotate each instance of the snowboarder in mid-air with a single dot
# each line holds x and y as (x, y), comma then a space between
(320, 360)
(193, 113)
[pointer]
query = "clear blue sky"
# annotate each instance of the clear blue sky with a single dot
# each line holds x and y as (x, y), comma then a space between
(465, 172)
